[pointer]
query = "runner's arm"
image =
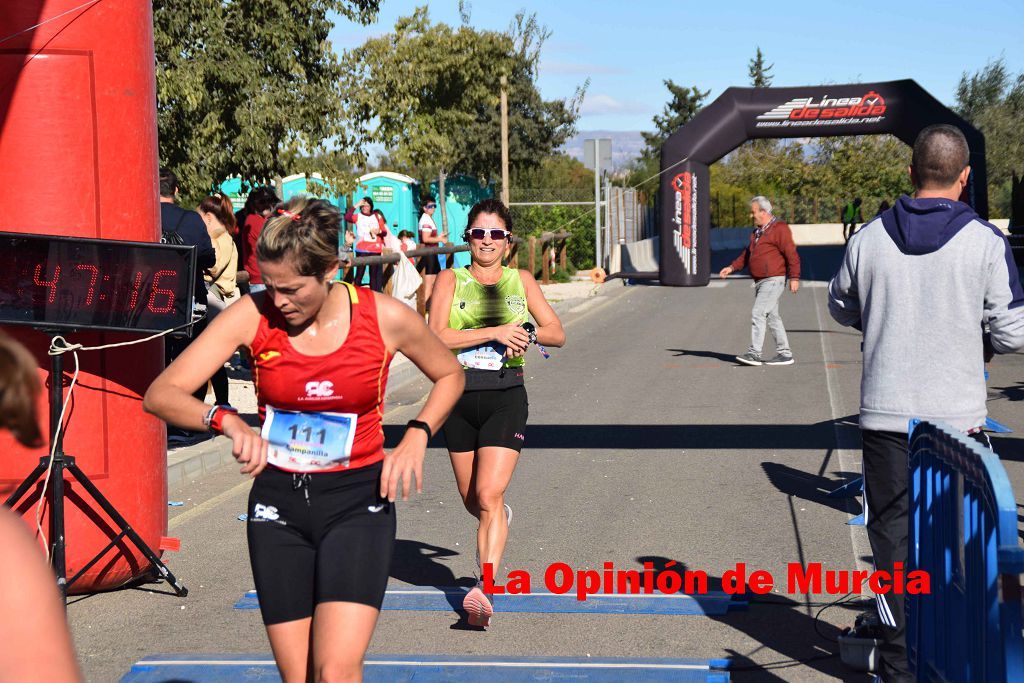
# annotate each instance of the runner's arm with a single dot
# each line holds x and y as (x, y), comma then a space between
(170, 397)
(549, 327)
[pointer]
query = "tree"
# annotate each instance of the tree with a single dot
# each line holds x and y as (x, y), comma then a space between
(981, 90)
(429, 94)
(683, 106)
(993, 101)
(249, 88)
(558, 178)
(759, 76)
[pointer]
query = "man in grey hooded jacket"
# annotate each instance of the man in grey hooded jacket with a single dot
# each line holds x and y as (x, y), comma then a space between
(919, 281)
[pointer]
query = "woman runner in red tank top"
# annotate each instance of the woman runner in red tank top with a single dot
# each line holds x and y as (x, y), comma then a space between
(321, 518)
(351, 380)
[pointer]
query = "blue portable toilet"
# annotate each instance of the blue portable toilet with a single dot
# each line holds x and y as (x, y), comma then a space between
(314, 186)
(462, 192)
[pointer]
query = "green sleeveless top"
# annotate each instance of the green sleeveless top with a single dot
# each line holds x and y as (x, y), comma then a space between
(475, 305)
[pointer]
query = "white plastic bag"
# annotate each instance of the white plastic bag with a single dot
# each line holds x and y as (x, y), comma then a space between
(405, 281)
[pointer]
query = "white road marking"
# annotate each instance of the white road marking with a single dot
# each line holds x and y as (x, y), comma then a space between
(849, 458)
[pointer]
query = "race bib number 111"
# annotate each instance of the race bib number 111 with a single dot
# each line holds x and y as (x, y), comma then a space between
(308, 442)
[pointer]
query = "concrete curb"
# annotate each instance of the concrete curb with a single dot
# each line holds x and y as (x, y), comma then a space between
(191, 462)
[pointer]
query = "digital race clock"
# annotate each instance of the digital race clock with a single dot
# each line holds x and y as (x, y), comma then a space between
(48, 281)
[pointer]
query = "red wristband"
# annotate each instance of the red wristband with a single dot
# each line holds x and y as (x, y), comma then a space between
(216, 415)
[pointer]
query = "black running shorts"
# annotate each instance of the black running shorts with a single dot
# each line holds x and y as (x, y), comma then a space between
(495, 417)
(321, 537)
(430, 264)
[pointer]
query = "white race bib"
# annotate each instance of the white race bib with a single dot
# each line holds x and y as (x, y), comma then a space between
(308, 442)
(489, 356)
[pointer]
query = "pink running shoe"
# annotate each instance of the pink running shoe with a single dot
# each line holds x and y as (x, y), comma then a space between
(477, 607)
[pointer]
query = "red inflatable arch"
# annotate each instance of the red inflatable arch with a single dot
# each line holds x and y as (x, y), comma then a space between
(78, 157)
(902, 108)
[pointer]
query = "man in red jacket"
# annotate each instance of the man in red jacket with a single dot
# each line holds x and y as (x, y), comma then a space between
(771, 257)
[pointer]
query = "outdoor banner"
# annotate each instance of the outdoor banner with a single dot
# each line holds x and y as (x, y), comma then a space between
(900, 108)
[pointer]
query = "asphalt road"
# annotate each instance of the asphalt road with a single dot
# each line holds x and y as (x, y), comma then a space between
(646, 443)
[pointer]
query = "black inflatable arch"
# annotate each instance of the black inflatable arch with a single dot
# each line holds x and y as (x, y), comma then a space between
(902, 108)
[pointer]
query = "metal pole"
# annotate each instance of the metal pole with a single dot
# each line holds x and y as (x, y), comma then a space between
(606, 243)
(504, 141)
(597, 202)
(57, 542)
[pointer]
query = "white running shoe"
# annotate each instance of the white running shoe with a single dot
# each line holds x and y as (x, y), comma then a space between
(477, 607)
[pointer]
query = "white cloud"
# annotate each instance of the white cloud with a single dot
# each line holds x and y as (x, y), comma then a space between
(599, 103)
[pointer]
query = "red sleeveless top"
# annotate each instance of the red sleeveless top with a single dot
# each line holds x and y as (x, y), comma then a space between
(349, 380)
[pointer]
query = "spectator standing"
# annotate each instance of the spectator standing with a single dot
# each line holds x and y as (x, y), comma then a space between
(221, 287)
(919, 281)
(771, 257)
(190, 228)
(851, 216)
(430, 265)
(253, 217)
(366, 226)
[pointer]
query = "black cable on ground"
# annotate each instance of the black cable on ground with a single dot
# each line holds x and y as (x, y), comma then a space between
(786, 663)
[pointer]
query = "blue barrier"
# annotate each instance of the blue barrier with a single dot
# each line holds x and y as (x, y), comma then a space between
(963, 532)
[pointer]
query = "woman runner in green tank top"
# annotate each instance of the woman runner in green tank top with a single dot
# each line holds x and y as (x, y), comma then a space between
(482, 313)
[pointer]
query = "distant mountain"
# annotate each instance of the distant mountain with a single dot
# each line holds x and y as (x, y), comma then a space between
(626, 145)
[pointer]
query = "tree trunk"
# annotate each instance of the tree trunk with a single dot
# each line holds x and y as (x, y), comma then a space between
(440, 200)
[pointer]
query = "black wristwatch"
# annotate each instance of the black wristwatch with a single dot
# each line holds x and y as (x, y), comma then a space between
(530, 330)
(419, 424)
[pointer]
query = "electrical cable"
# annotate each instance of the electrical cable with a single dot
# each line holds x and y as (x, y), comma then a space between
(84, 5)
(797, 661)
(59, 345)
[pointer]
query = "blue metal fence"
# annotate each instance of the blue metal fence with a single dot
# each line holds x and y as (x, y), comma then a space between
(963, 532)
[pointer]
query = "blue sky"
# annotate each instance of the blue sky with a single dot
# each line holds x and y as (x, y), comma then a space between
(628, 49)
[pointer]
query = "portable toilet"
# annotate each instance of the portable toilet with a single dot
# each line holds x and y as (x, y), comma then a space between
(395, 194)
(314, 185)
(232, 187)
(462, 192)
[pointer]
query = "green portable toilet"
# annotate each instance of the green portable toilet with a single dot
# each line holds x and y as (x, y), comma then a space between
(462, 192)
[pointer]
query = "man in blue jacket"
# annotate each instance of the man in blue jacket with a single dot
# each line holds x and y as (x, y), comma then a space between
(190, 227)
(919, 281)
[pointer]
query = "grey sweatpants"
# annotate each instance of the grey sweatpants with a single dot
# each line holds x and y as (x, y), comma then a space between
(766, 310)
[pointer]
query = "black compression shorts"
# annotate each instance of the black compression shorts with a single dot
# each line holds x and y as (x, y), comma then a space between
(321, 537)
(495, 417)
